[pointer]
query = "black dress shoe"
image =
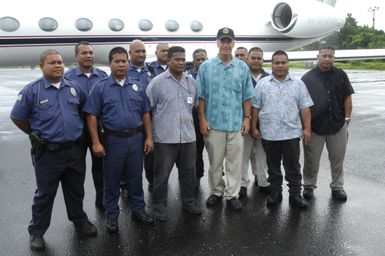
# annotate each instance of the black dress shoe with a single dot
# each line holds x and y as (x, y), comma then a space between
(213, 200)
(143, 217)
(36, 242)
(234, 204)
(112, 226)
(274, 199)
(193, 209)
(242, 191)
(297, 201)
(86, 228)
(339, 195)
(308, 193)
(264, 190)
(160, 216)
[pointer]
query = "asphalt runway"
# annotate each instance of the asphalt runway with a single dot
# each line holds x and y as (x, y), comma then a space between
(327, 228)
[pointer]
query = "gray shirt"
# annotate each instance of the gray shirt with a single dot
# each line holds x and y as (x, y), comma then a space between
(172, 102)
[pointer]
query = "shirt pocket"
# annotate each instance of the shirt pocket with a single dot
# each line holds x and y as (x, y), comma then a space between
(135, 101)
(45, 111)
(73, 105)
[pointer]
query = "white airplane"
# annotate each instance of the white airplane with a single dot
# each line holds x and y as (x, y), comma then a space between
(27, 28)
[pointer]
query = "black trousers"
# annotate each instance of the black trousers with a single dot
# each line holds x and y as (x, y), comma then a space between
(287, 152)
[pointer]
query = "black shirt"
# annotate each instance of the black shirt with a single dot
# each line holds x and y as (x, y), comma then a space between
(328, 91)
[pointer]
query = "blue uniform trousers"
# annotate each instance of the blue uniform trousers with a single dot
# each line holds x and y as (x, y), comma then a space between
(68, 167)
(124, 158)
(96, 169)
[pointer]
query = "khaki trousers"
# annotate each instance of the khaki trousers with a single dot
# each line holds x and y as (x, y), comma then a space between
(224, 146)
(336, 147)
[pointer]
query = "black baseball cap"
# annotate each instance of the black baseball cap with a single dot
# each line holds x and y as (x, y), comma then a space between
(225, 33)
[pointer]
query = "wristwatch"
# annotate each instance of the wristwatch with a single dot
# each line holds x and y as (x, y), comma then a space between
(249, 117)
(347, 120)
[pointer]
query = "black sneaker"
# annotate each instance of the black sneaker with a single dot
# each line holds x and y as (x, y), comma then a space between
(339, 195)
(36, 242)
(234, 204)
(86, 228)
(213, 200)
(308, 193)
(243, 192)
(112, 226)
(193, 209)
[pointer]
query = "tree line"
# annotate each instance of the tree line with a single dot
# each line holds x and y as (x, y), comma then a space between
(352, 36)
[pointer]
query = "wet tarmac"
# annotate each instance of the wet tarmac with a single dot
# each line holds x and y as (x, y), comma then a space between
(327, 228)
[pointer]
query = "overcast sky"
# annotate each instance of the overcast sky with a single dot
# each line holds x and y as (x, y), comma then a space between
(359, 11)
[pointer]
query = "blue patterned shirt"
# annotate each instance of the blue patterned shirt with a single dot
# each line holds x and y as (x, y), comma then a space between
(279, 104)
(224, 89)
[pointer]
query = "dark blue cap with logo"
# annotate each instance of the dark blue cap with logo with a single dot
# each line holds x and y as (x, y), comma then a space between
(225, 33)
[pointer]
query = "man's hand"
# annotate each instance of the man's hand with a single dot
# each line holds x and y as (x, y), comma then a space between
(98, 150)
(148, 146)
(204, 126)
(245, 126)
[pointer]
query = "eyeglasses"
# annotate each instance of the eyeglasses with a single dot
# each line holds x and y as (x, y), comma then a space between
(280, 62)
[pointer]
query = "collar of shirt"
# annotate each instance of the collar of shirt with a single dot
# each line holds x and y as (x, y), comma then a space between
(112, 81)
(63, 82)
(135, 68)
(78, 72)
(287, 78)
(218, 61)
(332, 70)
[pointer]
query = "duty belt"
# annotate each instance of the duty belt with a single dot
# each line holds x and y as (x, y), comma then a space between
(124, 133)
(53, 147)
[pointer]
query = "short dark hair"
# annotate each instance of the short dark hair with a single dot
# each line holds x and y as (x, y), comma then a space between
(326, 47)
(255, 49)
(241, 48)
(279, 52)
(173, 50)
(79, 44)
(199, 50)
(116, 50)
(44, 54)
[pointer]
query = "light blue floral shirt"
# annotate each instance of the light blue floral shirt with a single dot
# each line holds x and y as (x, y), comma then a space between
(224, 89)
(280, 104)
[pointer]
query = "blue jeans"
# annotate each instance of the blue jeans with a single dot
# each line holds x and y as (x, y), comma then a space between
(165, 155)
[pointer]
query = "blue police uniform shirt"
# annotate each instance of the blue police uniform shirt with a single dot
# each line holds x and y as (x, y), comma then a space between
(158, 69)
(193, 73)
(118, 107)
(85, 81)
(141, 75)
(53, 113)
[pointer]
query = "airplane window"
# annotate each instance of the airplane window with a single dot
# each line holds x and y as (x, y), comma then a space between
(145, 25)
(172, 25)
(196, 26)
(48, 24)
(116, 24)
(83, 24)
(9, 24)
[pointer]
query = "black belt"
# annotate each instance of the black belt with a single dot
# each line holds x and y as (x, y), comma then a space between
(124, 133)
(53, 147)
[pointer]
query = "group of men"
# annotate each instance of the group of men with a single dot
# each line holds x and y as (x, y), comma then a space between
(156, 115)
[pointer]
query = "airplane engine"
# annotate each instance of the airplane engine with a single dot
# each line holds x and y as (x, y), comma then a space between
(283, 18)
(297, 18)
